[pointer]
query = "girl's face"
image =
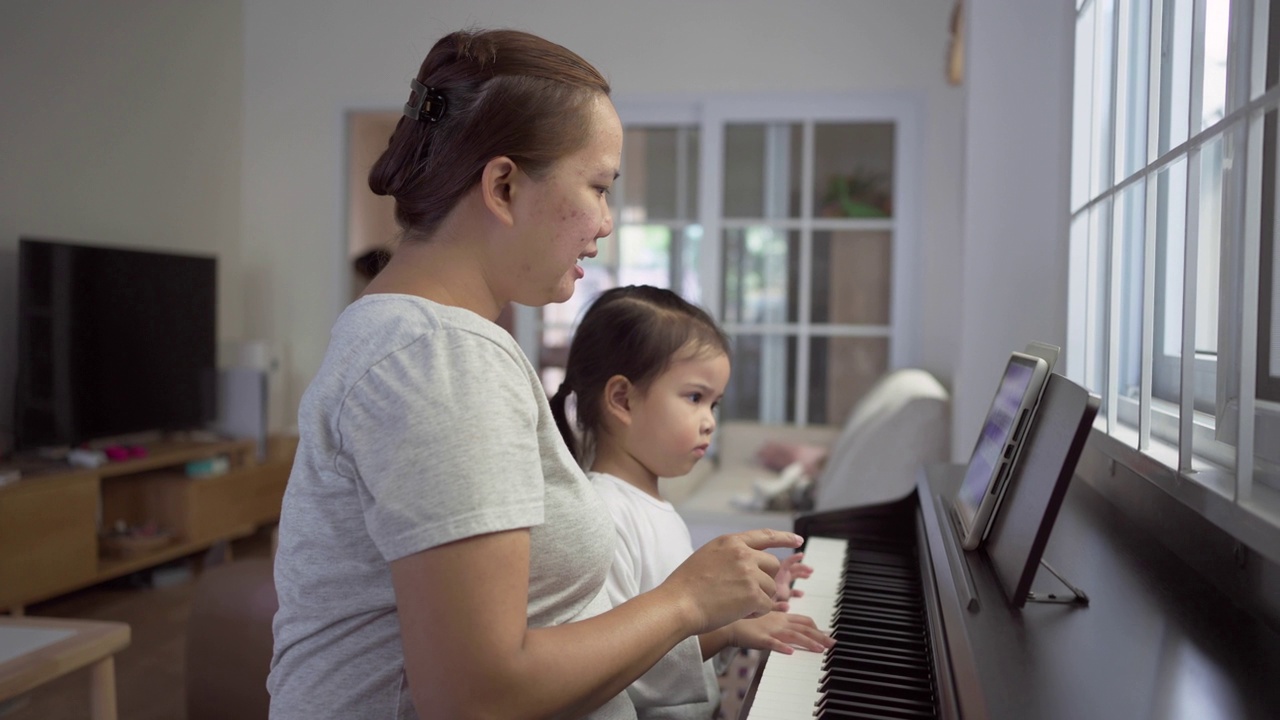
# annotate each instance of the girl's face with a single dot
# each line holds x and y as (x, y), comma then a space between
(565, 213)
(673, 421)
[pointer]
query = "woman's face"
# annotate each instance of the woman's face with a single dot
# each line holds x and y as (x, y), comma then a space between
(565, 212)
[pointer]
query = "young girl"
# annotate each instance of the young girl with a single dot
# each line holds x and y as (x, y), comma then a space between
(648, 370)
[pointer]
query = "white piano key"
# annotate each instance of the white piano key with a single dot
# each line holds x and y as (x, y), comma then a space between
(788, 687)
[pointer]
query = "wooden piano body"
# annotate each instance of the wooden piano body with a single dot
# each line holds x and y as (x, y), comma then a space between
(1157, 639)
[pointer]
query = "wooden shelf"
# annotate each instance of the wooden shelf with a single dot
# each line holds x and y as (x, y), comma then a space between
(111, 568)
(50, 520)
(169, 454)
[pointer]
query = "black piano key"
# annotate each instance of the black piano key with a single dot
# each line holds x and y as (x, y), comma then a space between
(904, 678)
(850, 615)
(880, 696)
(887, 625)
(855, 636)
(867, 708)
(873, 600)
(853, 661)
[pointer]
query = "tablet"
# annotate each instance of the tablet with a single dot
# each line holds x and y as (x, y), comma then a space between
(997, 448)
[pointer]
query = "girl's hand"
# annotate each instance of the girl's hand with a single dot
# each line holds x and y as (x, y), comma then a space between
(790, 569)
(780, 632)
(728, 579)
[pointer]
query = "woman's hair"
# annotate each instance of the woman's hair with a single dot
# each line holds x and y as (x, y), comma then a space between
(503, 93)
(636, 332)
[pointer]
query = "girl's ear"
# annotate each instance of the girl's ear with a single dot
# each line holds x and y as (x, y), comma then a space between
(617, 399)
(496, 184)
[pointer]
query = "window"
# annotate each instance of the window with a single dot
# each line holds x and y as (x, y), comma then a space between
(786, 218)
(1173, 314)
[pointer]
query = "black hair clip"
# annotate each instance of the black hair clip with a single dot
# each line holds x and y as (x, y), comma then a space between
(424, 102)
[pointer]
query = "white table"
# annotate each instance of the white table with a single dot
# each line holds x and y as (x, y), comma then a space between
(35, 650)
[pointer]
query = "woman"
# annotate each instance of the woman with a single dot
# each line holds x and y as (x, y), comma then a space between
(441, 553)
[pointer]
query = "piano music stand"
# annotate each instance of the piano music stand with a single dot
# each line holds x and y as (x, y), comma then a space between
(1048, 461)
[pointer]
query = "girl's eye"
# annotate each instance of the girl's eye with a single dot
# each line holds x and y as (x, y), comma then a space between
(715, 406)
(695, 397)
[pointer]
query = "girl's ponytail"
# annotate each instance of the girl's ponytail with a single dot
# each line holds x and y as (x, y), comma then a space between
(562, 420)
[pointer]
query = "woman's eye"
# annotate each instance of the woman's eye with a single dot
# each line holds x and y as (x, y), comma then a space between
(604, 191)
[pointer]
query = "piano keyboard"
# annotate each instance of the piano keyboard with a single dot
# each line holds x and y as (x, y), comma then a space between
(866, 593)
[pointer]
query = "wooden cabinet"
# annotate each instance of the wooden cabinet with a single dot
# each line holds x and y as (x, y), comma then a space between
(51, 521)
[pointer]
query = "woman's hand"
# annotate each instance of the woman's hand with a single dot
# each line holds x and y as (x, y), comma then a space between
(729, 578)
(779, 632)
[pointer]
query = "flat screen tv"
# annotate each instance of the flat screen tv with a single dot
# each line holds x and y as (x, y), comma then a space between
(112, 342)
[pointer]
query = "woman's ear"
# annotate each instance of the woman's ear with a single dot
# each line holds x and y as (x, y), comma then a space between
(617, 399)
(496, 185)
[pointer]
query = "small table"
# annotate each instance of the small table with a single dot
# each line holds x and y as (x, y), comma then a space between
(34, 651)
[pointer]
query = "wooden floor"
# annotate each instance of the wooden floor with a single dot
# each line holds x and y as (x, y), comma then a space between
(149, 673)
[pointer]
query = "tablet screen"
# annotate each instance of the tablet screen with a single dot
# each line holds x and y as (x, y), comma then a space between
(994, 436)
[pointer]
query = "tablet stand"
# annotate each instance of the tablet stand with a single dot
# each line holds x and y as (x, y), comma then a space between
(1077, 595)
(1044, 469)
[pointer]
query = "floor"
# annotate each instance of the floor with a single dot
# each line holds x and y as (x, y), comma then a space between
(150, 672)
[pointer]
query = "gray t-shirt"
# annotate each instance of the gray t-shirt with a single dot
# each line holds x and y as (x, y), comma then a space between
(426, 424)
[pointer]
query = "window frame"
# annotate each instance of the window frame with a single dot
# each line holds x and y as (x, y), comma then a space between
(711, 114)
(1206, 459)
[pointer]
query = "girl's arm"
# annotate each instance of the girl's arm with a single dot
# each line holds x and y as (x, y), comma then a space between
(470, 653)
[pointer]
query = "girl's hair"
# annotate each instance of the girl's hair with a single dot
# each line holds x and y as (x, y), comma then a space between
(636, 332)
(505, 93)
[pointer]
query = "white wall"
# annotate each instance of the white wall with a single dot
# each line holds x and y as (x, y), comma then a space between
(1016, 180)
(307, 63)
(202, 127)
(120, 124)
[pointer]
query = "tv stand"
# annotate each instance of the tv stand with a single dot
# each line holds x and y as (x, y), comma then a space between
(52, 519)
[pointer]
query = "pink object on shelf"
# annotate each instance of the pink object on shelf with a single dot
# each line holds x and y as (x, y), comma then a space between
(116, 452)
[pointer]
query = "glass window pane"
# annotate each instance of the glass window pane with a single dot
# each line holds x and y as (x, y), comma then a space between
(1270, 70)
(692, 157)
(1268, 360)
(1096, 315)
(841, 370)
(852, 277)
(558, 319)
(853, 170)
(1171, 215)
(1266, 433)
(1175, 74)
(1130, 236)
(762, 383)
(659, 174)
(644, 255)
(1077, 291)
(1104, 49)
(1205, 442)
(1214, 94)
(760, 272)
(690, 287)
(1132, 64)
(762, 170)
(1082, 109)
(1266, 448)
(1209, 247)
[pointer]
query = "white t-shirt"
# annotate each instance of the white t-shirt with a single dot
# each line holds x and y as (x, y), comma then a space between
(425, 424)
(652, 542)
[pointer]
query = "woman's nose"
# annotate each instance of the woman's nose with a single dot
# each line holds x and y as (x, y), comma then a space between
(606, 227)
